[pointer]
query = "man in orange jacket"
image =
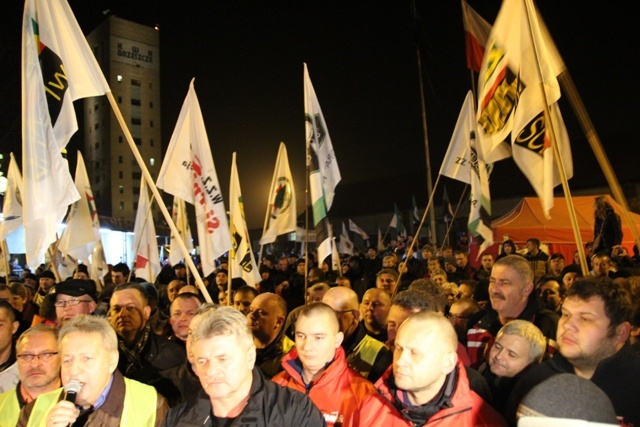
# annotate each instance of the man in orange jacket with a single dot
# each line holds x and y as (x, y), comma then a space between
(318, 367)
(426, 384)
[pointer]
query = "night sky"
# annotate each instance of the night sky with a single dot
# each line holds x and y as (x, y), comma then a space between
(247, 58)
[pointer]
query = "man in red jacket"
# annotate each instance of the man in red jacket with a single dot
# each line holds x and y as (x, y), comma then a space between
(427, 385)
(318, 367)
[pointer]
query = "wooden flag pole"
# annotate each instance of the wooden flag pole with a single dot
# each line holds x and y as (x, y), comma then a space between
(455, 213)
(413, 242)
(594, 141)
(4, 250)
(556, 153)
(156, 195)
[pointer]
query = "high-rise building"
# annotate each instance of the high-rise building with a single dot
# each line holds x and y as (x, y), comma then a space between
(129, 55)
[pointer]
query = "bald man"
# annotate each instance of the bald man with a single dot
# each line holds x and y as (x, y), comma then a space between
(317, 366)
(426, 381)
(365, 354)
(374, 308)
(266, 317)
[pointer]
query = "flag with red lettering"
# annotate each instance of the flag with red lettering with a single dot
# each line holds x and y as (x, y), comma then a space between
(58, 67)
(145, 243)
(476, 34)
(188, 172)
(518, 79)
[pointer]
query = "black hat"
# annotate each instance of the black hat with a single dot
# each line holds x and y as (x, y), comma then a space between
(77, 287)
(48, 274)
(179, 265)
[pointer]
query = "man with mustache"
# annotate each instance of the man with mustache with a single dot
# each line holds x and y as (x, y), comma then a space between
(512, 297)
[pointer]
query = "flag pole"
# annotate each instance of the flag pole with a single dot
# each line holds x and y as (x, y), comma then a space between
(424, 121)
(307, 201)
(413, 242)
(5, 252)
(556, 152)
(183, 225)
(266, 215)
(455, 213)
(156, 195)
(596, 146)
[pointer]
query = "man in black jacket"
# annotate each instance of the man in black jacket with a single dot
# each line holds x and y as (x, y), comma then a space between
(234, 391)
(144, 356)
(592, 343)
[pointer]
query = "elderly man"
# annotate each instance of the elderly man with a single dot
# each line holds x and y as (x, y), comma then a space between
(318, 367)
(88, 349)
(519, 346)
(183, 309)
(512, 297)
(427, 382)
(73, 298)
(266, 319)
(593, 335)
(144, 356)
(8, 366)
(365, 355)
(38, 370)
(232, 387)
(375, 310)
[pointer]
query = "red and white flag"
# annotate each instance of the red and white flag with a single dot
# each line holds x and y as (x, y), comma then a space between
(188, 172)
(145, 243)
(476, 34)
(58, 67)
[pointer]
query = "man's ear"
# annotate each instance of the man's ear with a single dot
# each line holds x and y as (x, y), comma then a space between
(622, 332)
(146, 312)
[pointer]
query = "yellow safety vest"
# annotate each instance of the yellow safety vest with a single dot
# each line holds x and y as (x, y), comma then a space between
(140, 402)
(9, 408)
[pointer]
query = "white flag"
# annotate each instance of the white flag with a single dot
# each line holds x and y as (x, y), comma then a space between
(320, 141)
(58, 67)
(354, 227)
(346, 245)
(188, 172)
(242, 262)
(180, 219)
(82, 232)
(461, 162)
(99, 266)
(145, 243)
(517, 81)
(281, 207)
(12, 206)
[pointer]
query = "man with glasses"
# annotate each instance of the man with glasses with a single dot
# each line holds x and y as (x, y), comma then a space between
(365, 354)
(74, 297)
(38, 370)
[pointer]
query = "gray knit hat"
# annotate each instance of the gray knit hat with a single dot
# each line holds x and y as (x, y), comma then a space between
(568, 397)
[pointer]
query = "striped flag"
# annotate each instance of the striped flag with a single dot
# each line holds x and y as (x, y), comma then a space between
(58, 68)
(476, 34)
(324, 174)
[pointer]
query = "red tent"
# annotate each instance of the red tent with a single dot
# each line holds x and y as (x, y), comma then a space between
(527, 220)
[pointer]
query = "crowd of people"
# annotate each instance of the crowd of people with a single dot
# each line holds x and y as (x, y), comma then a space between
(399, 338)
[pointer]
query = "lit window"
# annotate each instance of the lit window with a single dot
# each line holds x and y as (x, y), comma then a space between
(119, 78)
(152, 161)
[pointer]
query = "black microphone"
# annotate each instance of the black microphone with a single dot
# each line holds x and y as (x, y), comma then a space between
(71, 390)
